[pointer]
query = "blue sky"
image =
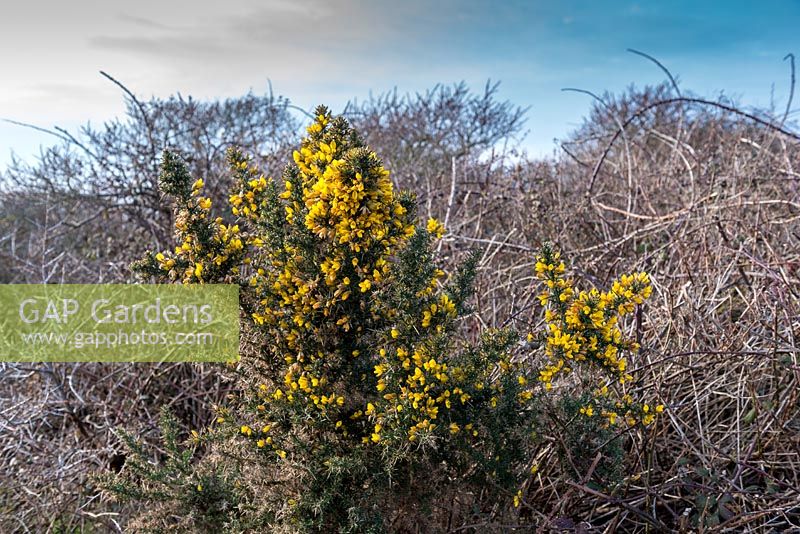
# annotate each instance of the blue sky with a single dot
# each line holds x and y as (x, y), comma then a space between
(317, 51)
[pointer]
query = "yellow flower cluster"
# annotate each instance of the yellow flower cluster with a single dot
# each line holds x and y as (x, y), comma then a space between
(584, 327)
(205, 245)
(444, 307)
(343, 196)
(421, 393)
(251, 200)
(435, 228)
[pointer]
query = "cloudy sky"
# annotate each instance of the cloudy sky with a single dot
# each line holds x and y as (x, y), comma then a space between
(316, 51)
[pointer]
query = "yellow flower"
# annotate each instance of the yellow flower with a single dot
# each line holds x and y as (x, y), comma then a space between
(435, 228)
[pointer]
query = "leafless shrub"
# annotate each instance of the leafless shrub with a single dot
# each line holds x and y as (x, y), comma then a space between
(418, 136)
(104, 180)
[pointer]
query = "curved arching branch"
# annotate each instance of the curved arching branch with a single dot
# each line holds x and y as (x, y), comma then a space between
(681, 100)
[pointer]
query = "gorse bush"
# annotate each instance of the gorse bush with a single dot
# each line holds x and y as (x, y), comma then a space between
(358, 406)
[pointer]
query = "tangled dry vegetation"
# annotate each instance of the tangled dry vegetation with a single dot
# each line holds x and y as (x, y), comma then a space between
(699, 195)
